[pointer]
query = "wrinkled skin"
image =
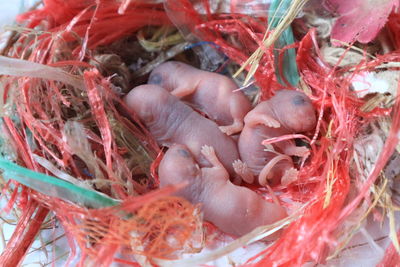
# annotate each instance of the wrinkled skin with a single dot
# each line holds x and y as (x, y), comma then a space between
(234, 209)
(170, 121)
(209, 92)
(287, 112)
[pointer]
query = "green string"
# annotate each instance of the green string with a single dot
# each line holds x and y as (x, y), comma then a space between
(289, 66)
(55, 187)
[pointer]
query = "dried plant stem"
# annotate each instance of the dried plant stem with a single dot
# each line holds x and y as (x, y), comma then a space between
(255, 58)
(173, 51)
(352, 47)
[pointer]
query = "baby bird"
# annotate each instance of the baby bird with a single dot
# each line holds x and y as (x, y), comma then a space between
(170, 121)
(234, 209)
(287, 112)
(209, 92)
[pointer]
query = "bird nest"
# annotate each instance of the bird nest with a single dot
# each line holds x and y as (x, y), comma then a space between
(76, 162)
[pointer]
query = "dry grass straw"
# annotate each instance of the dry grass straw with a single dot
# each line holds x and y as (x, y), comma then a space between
(354, 48)
(162, 37)
(269, 39)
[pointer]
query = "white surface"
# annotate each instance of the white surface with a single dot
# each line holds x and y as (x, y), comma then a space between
(11, 8)
(367, 83)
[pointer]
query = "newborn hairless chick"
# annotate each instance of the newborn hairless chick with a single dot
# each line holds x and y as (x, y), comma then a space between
(171, 121)
(210, 92)
(287, 112)
(234, 209)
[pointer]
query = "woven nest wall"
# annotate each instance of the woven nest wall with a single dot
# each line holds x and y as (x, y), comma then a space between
(76, 160)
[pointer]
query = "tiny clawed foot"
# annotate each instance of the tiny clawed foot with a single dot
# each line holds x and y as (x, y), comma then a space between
(243, 171)
(228, 130)
(224, 129)
(234, 128)
(273, 123)
(207, 151)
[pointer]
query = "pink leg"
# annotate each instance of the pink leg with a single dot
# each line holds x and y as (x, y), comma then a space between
(239, 106)
(243, 171)
(254, 118)
(235, 127)
(182, 91)
(209, 153)
(217, 169)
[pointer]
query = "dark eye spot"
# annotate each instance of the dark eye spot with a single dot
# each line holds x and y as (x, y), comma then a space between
(155, 79)
(298, 100)
(184, 153)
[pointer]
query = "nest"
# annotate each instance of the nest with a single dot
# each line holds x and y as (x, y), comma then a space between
(77, 161)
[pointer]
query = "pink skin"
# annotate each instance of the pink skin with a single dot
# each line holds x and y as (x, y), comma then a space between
(170, 121)
(210, 92)
(234, 209)
(287, 112)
